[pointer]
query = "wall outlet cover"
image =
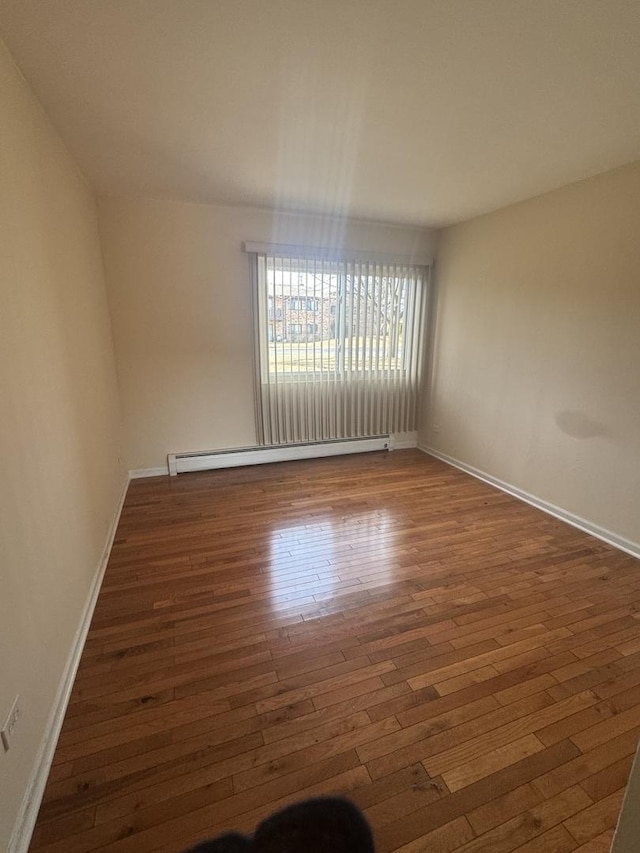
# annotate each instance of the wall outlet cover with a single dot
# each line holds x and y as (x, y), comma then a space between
(10, 723)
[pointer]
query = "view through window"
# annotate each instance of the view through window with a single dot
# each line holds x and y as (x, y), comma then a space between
(329, 318)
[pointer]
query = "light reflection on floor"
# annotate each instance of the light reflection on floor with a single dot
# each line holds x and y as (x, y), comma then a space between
(314, 561)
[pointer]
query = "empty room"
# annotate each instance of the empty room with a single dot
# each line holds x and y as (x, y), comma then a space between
(320, 429)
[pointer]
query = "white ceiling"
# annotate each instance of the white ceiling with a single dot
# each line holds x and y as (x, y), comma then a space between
(422, 111)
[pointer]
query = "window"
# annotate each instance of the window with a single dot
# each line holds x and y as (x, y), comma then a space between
(343, 358)
(274, 313)
(298, 303)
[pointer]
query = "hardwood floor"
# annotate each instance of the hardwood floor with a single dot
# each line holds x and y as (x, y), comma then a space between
(464, 667)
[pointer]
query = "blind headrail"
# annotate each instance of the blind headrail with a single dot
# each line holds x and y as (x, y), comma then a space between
(325, 253)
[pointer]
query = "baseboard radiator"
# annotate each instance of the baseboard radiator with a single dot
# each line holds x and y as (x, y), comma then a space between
(180, 463)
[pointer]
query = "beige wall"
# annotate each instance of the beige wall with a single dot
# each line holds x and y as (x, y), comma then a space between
(536, 369)
(59, 423)
(628, 829)
(180, 302)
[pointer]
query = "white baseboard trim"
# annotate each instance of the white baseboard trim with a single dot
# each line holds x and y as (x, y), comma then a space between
(180, 463)
(26, 821)
(620, 542)
(140, 473)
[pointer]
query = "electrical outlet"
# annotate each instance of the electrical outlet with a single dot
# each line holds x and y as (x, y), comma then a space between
(9, 728)
(435, 427)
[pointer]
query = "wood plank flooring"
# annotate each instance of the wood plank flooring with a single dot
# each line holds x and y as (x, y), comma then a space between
(464, 667)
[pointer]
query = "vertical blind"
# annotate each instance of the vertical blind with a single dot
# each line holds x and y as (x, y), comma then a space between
(338, 346)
